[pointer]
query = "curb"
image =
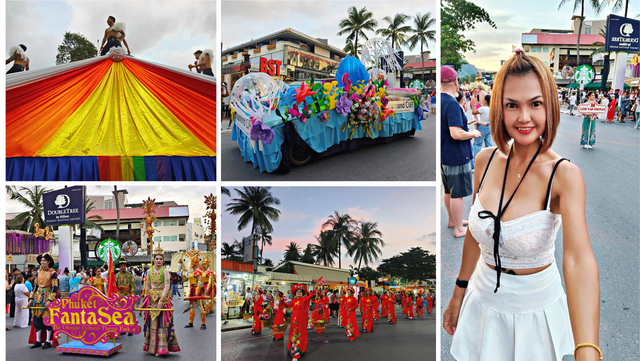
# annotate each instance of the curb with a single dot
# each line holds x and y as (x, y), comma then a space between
(225, 131)
(234, 328)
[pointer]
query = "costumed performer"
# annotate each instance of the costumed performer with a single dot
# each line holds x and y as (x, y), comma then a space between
(430, 300)
(256, 327)
(297, 344)
(111, 35)
(44, 292)
(19, 58)
(327, 312)
(342, 311)
(410, 313)
(98, 281)
(196, 288)
(318, 312)
(391, 309)
(349, 318)
(278, 320)
(159, 330)
(419, 304)
(125, 282)
(383, 304)
(376, 303)
(367, 316)
(208, 283)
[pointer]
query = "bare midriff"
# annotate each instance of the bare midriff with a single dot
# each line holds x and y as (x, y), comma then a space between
(522, 272)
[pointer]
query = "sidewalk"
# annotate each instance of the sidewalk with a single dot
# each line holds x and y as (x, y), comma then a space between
(236, 324)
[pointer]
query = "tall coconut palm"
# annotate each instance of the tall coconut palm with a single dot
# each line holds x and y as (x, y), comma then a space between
(350, 49)
(595, 5)
(396, 31)
(307, 256)
(366, 243)
(255, 206)
(342, 227)
(227, 250)
(292, 252)
(326, 248)
(30, 198)
(355, 24)
(422, 34)
(265, 237)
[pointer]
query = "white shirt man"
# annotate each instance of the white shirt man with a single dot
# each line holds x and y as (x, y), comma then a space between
(572, 103)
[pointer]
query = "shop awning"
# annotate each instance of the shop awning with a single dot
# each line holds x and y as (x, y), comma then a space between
(287, 277)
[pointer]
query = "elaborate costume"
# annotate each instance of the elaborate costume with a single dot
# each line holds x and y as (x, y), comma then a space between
(279, 323)
(159, 331)
(318, 314)
(98, 282)
(342, 311)
(256, 328)
(350, 322)
(419, 304)
(327, 313)
(297, 344)
(45, 291)
(125, 282)
(383, 304)
(391, 309)
(410, 313)
(208, 284)
(198, 283)
(367, 316)
(430, 299)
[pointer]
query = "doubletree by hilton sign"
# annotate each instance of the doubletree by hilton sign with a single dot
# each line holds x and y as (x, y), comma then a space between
(64, 206)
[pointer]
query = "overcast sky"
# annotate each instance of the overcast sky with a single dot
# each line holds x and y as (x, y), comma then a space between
(192, 196)
(513, 18)
(246, 20)
(165, 32)
(406, 217)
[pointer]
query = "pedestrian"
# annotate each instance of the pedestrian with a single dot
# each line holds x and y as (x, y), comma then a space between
(637, 112)
(624, 105)
(482, 125)
(430, 301)
(572, 102)
(21, 319)
(297, 344)
(289, 295)
(515, 289)
(604, 101)
(457, 178)
(433, 103)
(612, 110)
(248, 297)
(139, 286)
(350, 322)
(588, 138)
(65, 288)
(175, 281)
(12, 301)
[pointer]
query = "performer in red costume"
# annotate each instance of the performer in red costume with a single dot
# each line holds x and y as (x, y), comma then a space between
(409, 306)
(367, 316)
(342, 311)
(376, 303)
(419, 304)
(384, 299)
(327, 313)
(429, 302)
(256, 329)
(297, 344)
(391, 309)
(278, 320)
(318, 313)
(349, 315)
(403, 301)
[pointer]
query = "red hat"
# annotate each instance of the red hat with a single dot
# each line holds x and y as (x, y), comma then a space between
(447, 74)
(299, 286)
(352, 290)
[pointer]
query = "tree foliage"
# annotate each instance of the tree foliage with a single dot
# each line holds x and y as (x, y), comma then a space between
(75, 47)
(355, 24)
(414, 265)
(307, 256)
(396, 31)
(30, 198)
(458, 17)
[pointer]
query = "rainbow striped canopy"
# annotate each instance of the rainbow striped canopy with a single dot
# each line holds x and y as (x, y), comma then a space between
(100, 120)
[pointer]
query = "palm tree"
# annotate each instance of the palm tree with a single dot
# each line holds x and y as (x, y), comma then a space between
(227, 250)
(350, 50)
(341, 225)
(254, 205)
(422, 34)
(367, 243)
(292, 252)
(595, 5)
(356, 23)
(396, 31)
(89, 205)
(32, 200)
(264, 238)
(307, 257)
(326, 248)
(226, 191)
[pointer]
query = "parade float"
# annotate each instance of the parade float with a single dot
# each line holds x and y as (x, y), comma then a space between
(277, 125)
(110, 118)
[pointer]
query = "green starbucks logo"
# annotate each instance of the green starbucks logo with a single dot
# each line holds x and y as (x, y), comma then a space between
(103, 247)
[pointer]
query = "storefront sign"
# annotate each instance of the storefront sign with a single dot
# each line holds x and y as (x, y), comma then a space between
(244, 124)
(584, 74)
(352, 280)
(64, 206)
(103, 247)
(416, 84)
(270, 66)
(622, 34)
(91, 317)
(592, 108)
(401, 106)
(248, 248)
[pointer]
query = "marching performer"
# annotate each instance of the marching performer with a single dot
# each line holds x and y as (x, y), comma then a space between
(256, 329)
(297, 344)
(125, 282)
(367, 316)
(430, 299)
(342, 311)
(159, 330)
(318, 311)
(391, 308)
(349, 319)
(45, 291)
(196, 288)
(410, 313)
(278, 321)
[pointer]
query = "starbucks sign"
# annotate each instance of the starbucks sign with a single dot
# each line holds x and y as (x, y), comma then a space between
(103, 247)
(417, 84)
(584, 74)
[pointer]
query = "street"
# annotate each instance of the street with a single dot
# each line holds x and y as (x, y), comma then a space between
(195, 344)
(611, 172)
(406, 340)
(406, 159)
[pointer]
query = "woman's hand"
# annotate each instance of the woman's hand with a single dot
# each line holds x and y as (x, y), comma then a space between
(450, 316)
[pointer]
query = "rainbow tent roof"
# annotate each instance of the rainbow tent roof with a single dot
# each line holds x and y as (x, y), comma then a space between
(100, 120)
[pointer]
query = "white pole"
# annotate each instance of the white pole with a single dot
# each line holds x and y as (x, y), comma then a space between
(619, 67)
(65, 248)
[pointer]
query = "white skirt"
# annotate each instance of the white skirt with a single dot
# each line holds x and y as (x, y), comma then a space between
(527, 319)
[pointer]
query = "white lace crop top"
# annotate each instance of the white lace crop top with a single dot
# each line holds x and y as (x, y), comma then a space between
(524, 242)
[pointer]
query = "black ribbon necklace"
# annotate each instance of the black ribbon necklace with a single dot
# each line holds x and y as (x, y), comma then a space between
(496, 218)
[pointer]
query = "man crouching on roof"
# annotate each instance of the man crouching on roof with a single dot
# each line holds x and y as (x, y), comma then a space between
(111, 35)
(203, 62)
(19, 59)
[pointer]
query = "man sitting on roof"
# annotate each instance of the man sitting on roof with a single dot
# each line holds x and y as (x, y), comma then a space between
(203, 62)
(19, 59)
(114, 32)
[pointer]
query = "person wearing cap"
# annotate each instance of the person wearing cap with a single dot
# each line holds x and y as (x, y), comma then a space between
(124, 281)
(45, 291)
(297, 344)
(350, 323)
(456, 152)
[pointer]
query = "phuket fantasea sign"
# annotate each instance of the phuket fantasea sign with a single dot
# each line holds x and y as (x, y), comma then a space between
(277, 125)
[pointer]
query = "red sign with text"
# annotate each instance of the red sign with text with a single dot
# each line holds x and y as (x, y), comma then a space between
(270, 66)
(592, 108)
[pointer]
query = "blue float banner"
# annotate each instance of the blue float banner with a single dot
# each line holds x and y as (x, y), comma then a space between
(622, 34)
(64, 206)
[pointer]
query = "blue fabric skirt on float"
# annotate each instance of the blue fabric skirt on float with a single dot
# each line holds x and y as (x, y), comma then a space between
(527, 319)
